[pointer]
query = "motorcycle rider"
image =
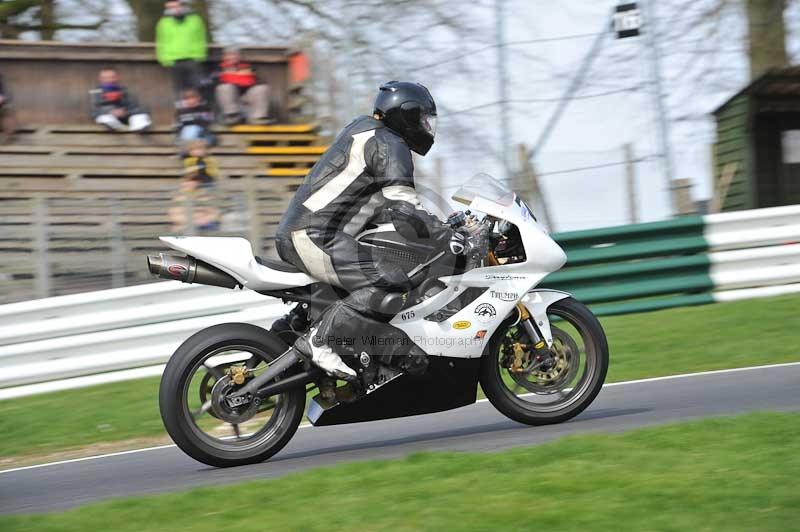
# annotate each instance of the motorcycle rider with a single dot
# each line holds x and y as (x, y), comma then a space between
(366, 175)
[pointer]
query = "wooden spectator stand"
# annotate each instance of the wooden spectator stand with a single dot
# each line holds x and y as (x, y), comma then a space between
(50, 80)
(80, 206)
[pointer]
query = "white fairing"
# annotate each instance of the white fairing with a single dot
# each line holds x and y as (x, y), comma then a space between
(466, 333)
(234, 255)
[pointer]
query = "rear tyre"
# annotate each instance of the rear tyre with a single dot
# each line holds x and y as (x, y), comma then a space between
(197, 375)
(566, 386)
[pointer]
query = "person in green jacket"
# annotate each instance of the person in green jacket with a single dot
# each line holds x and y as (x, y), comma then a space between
(181, 44)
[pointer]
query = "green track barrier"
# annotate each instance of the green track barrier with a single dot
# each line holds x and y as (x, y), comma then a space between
(636, 268)
(632, 290)
(685, 224)
(637, 250)
(643, 267)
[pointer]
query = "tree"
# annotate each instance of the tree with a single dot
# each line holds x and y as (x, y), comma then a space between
(19, 16)
(767, 32)
(147, 14)
(10, 8)
(715, 27)
(11, 11)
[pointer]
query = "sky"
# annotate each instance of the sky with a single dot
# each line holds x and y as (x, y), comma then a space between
(593, 131)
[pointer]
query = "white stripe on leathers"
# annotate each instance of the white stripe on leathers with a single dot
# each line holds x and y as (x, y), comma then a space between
(318, 262)
(355, 167)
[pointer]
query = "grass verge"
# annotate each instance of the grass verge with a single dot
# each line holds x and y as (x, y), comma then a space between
(721, 474)
(669, 342)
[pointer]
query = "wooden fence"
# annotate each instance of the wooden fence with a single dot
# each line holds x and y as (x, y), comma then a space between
(88, 239)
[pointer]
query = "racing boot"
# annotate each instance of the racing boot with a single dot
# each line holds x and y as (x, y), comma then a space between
(323, 357)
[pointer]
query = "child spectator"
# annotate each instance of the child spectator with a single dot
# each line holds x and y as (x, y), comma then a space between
(238, 85)
(194, 118)
(181, 44)
(195, 205)
(114, 107)
(198, 160)
(7, 124)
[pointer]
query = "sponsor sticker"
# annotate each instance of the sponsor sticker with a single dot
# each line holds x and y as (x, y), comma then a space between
(176, 270)
(480, 335)
(462, 325)
(485, 312)
(505, 277)
(504, 296)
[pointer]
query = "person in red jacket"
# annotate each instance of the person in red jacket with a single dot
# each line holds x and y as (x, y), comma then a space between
(237, 85)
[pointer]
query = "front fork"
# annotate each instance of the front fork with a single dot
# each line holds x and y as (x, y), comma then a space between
(527, 324)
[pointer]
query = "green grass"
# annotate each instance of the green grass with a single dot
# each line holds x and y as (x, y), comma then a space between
(109, 412)
(721, 474)
(674, 341)
(692, 339)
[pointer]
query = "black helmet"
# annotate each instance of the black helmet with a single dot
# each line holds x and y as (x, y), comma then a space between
(408, 109)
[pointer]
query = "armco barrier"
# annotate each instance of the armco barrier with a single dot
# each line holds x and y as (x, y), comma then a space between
(127, 333)
(77, 340)
(686, 261)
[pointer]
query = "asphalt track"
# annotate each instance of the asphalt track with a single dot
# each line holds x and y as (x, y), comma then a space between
(619, 407)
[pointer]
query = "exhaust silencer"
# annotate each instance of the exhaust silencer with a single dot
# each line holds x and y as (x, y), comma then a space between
(188, 270)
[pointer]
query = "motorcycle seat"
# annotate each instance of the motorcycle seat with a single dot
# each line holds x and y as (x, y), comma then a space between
(279, 265)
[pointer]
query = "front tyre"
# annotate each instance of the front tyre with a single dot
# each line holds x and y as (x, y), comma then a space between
(204, 369)
(551, 388)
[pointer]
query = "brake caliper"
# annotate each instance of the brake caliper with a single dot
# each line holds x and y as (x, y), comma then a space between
(521, 358)
(238, 375)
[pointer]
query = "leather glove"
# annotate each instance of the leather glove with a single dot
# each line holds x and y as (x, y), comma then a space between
(459, 243)
(469, 243)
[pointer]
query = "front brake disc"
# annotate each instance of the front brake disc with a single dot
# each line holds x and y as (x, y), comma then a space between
(566, 355)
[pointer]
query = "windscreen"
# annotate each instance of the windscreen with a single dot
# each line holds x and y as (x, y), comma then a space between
(486, 187)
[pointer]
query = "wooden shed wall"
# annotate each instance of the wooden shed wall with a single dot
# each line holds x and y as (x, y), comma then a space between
(733, 146)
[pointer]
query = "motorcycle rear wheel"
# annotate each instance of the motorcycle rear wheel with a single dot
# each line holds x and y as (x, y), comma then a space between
(185, 397)
(563, 391)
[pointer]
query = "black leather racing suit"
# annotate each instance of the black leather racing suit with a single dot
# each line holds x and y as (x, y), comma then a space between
(365, 174)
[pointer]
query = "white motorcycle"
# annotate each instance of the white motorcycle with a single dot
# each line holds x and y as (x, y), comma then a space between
(235, 393)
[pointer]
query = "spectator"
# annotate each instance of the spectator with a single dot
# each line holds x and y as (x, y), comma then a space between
(198, 159)
(114, 107)
(7, 124)
(194, 117)
(237, 85)
(195, 204)
(181, 44)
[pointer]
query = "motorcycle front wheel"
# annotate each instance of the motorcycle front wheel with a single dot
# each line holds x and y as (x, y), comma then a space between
(192, 397)
(549, 388)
